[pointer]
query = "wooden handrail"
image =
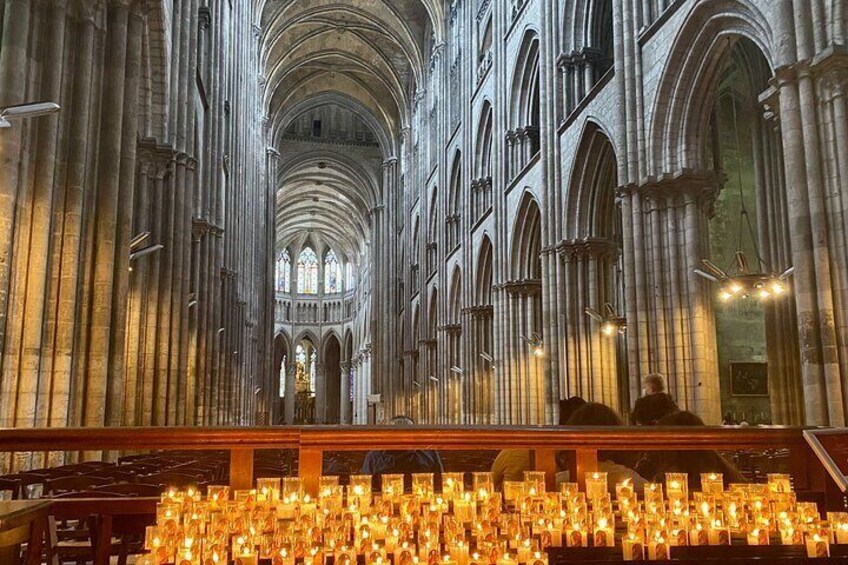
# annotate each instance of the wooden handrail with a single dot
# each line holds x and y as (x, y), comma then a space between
(142, 438)
(354, 438)
(312, 442)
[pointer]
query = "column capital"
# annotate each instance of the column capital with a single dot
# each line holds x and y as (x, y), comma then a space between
(391, 161)
(588, 247)
(703, 184)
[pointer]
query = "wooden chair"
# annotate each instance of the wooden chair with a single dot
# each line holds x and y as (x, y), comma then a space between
(115, 474)
(115, 525)
(173, 479)
(14, 487)
(130, 489)
(76, 483)
(33, 485)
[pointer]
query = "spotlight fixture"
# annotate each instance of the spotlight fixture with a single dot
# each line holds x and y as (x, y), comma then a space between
(21, 111)
(416, 384)
(434, 379)
(139, 239)
(611, 322)
(535, 343)
(456, 370)
(146, 251)
(141, 253)
(488, 358)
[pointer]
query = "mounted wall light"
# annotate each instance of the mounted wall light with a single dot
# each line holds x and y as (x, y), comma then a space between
(22, 111)
(488, 358)
(146, 251)
(611, 322)
(434, 379)
(535, 343)
(139, 239)
(456, 370)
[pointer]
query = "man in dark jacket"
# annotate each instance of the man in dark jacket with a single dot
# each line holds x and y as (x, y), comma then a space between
(379, 463)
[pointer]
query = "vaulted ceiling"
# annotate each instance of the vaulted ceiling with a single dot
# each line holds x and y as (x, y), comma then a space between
(366, 56)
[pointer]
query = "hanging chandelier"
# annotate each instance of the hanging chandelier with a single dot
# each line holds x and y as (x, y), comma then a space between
(743, 282)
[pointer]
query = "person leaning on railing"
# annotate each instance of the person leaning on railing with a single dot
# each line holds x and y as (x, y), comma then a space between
(510, 464)
(618, 465)
(692, 462)
(379, 463)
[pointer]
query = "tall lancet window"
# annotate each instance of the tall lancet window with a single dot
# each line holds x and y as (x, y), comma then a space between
(283, 274)
(333, 279)
(307, 272)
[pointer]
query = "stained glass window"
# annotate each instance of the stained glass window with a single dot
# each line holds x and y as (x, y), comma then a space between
(307, 272)
(283, 274)
(332, 273)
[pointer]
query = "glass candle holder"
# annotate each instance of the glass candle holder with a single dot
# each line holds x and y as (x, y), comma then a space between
(453, 485)
(817, 546)
(268, 488)
(483, 485)
(596, 484)
(632, 548)
(422, 485)
(677, 484)
(712, 483)
(292, 488)
(534, 483)
(779, 482)
(392, 486)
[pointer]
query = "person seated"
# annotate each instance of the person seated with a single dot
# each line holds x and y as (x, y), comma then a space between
(653, 384)
(617, 465)
(692, 462)
(650, 408)
(510, 464)
(379, 463)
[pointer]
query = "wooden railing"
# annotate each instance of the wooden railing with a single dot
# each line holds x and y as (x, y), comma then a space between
(312, 442)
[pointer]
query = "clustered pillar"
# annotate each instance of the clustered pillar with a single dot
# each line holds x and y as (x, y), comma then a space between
(96, 330)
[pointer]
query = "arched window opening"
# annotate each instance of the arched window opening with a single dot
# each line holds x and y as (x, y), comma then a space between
(452, 220)
(283, 272)
(523, 136)
(481, 186)
(307, 272)
(588, 52)
(332, 273)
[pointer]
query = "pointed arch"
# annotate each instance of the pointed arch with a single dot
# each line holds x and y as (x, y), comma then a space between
(433, 314)
(331, 357)
(590, 201)
(453, 218)
(524, 101)
(683, 101)
(483, 286)
(455, 303)
(483, 155)
(590, 261)
(525, 261)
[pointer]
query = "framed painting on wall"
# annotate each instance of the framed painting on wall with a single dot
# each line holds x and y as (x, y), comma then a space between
(748, 378)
